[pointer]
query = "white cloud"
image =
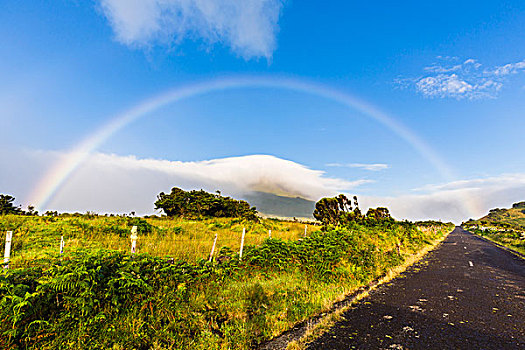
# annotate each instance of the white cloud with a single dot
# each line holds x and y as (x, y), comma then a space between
(465, 80)
(248, 27)
(455, 201)
(443, 85)
(511, 68)
(474, 184)
(371, 167)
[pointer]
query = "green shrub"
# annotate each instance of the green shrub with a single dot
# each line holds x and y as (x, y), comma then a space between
(143, 227)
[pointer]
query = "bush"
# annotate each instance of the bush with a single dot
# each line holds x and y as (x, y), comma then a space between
(143, 227)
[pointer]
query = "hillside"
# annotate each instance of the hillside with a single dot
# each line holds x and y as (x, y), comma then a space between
(504, 226)
(506, 218)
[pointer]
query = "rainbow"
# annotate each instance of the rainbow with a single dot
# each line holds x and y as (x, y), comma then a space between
(52, 181)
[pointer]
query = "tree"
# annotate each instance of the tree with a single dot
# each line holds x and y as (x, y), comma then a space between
(173, 204)
(197, 204)
(378, 216)
(31, 210)
(337, 210)
(379, 213)
(356, 210)
(327, 211)
(7, 206)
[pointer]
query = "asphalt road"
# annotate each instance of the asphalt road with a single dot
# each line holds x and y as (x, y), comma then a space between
(466, 294)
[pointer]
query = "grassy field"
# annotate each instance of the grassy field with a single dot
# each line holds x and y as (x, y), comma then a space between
(38, 237)
(99, 296)
(504, 226)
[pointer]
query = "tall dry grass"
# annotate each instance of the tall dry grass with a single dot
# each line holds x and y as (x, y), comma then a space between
(181, 239)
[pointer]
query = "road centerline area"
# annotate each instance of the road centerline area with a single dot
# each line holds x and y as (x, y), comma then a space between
(442, 303)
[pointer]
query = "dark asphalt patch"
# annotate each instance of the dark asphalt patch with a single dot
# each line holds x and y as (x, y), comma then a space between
(467, 294)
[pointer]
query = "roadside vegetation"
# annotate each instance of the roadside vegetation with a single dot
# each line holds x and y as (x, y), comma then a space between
(504, 226)
(169, 296)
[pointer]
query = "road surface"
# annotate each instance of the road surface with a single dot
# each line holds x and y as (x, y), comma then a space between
(466, 294)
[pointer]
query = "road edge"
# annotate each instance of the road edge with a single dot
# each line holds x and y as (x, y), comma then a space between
(499, 245)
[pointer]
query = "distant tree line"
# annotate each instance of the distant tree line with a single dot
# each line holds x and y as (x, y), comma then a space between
(202, 204)
(519, 205)
(341, 210)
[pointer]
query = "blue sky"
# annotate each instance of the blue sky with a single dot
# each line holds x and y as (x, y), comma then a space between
(451, 72)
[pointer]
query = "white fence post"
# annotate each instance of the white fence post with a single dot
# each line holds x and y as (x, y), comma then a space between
(213, 248)
(305, 228)
(61, 245)
(269, 233)
(7, 253)
(134, 237)
(242, 242)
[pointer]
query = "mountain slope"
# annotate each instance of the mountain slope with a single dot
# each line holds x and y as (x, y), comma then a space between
(274, 205)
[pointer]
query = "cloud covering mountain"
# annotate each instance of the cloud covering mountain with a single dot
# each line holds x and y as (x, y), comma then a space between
(121, 184)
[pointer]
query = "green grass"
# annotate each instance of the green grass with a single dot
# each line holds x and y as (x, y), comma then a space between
(98, 296)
